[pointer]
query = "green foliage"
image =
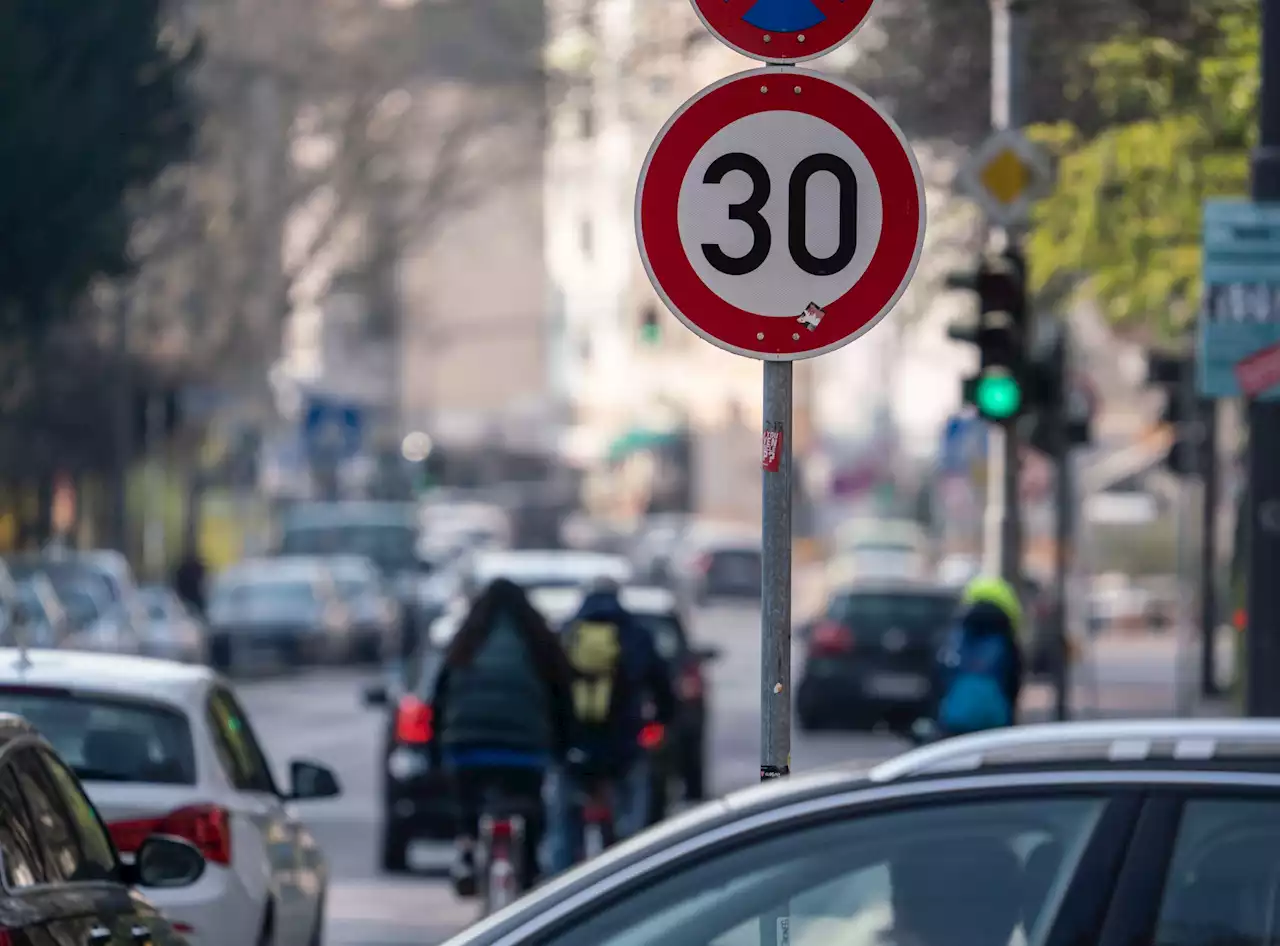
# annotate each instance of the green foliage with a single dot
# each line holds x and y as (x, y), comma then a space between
(93, 106)
(1179, 120)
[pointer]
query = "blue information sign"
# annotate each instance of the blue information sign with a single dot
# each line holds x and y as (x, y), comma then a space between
(333, 429)
(964, 440)
(1240, 312)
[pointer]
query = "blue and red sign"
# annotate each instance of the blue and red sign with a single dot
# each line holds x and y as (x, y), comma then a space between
(780, 31)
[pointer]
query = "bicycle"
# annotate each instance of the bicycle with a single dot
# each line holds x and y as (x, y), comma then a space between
(501, 871)
(596, 804)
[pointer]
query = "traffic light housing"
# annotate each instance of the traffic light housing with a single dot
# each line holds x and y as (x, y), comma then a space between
(1173, 374)
(998, 390)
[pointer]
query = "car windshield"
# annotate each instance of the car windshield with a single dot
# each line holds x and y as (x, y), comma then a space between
(667, 637)
(82, 605)
(109, 740)
(30, 599)
(393, 548)
(351, 587)
(269, 599)
(65, 575)
(914, 612)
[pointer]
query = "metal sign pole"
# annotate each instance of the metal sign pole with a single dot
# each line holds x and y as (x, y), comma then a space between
(775, 610)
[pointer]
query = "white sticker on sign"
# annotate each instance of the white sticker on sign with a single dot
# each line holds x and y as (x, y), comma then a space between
(784, 931)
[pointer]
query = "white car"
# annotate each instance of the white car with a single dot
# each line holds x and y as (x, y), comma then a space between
(166, 748)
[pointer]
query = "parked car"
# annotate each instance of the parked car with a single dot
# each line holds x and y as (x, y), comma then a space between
(375, 614)
(40, 615)
(1111, 833)
(287, 607)
(870, 659)
(165, 748)
(172, 631)
(63, 880)
(119, 620)
(680, 753)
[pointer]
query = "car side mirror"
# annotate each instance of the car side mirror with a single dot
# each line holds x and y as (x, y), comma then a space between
(311, 780)
(164, 861)
(376, 695)
(706, 654)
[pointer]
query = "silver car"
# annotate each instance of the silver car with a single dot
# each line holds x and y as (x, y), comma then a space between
(172, 631)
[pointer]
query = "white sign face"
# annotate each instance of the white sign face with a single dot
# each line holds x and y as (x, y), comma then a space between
(1035, 163)
(747, 173)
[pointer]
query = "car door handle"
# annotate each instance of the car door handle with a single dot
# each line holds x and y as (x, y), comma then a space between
(99, 936)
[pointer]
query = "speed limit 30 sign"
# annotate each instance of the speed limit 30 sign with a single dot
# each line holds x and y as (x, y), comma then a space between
(780, 214)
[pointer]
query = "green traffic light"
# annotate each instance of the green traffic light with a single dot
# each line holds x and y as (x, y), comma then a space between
(998, 395)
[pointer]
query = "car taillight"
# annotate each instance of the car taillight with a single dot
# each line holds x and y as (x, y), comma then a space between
(651, 736)
(690, 684)
(830, 639)
(501, 830)
(414, 722)
(208, 827)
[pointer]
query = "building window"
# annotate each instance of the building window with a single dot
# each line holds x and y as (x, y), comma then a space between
(586, 238)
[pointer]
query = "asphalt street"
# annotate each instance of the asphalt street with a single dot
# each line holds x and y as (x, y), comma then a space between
(319, 716)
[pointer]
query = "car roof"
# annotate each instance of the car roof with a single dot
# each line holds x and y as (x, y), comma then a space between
(353, 512)
(534, 565)
(103, 673)
(1129, 753)
(904, 584)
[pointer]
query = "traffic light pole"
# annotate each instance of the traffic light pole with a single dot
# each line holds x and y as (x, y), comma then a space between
(1009, 109)
(1209, 552)
(1262, 641)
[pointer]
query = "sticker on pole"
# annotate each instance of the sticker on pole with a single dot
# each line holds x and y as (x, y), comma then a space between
(783, 30)
(780, 214)
(772, 450)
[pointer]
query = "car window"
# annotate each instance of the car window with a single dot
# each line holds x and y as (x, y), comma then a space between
(65, 859)
(23, 866)
(668, 635)
(391, 547)
(945, 874)
(1224, 876)
(95, 844)
(238, 750)
(270, 599)
(916, 613)
(106, 739)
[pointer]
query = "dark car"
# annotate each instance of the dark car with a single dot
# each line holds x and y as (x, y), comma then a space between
(680, 752)
(63, 881)
(1106, 833)
(417, 800)
(871, 658)
(721, 567)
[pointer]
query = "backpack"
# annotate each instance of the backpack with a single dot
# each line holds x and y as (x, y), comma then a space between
(594, 649)
(975, 699)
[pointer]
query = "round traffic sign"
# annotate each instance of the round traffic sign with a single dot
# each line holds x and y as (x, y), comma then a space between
(783, 30)
(780, 214)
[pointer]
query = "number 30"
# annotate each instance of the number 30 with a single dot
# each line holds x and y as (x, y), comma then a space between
(797, 189)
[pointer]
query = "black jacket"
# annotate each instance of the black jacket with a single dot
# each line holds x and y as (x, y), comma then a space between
(499, 701)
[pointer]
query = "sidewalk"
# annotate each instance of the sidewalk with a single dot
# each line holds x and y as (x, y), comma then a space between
(1128, 675)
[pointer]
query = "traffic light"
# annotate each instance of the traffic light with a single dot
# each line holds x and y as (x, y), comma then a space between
(998, 390)
(1173, 374)
(650, 330)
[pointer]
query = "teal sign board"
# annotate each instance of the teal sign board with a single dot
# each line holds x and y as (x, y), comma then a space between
(1240, 313)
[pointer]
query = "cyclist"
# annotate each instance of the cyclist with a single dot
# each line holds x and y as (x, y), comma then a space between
(502, 711)
(982, 663)
(616, 667)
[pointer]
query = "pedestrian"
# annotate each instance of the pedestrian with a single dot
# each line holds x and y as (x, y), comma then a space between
(501, 705)
(982, 663)
(189, 580)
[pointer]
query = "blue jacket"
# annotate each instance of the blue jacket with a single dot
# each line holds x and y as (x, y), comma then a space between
(644, 675)
(983, 621)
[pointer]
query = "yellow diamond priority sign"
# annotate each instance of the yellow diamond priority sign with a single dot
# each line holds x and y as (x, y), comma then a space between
(1006, 175)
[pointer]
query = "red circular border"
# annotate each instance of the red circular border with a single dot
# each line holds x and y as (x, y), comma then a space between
(901, 190)
(724, 18)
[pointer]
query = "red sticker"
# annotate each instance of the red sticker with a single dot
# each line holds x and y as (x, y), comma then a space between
(772, 453)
